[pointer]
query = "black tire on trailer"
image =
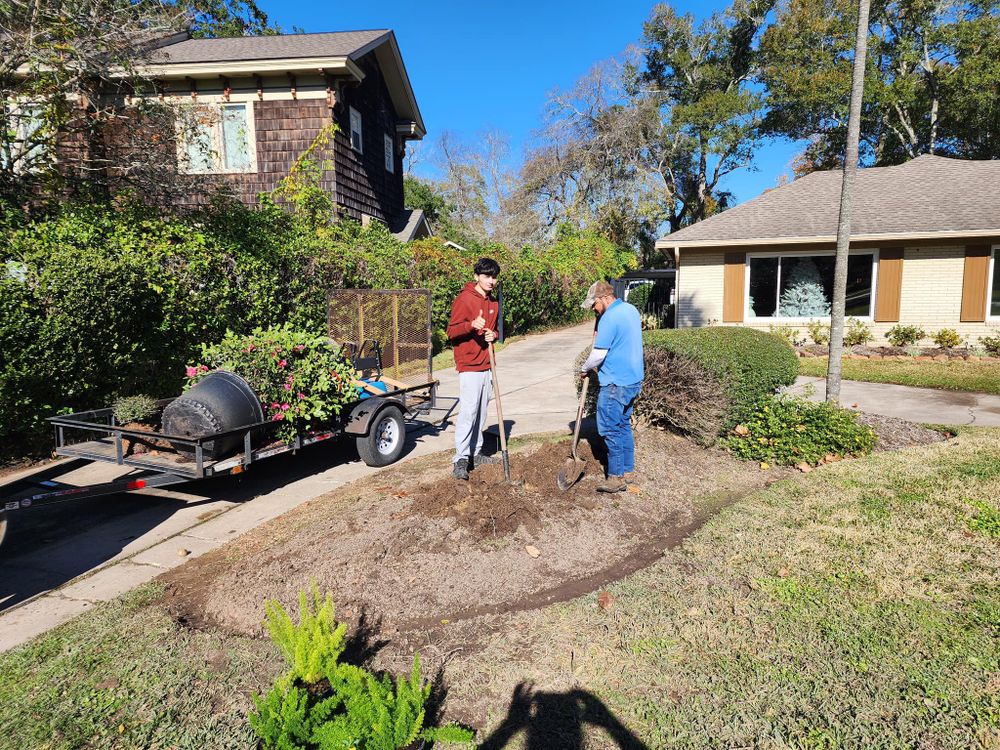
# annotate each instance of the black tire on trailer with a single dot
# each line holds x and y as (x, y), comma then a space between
(383, 444)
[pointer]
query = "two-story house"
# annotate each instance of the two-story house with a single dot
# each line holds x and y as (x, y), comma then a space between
(255, 104)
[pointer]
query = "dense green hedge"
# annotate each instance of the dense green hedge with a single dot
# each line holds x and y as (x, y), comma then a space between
(100, 302)
(749, 364)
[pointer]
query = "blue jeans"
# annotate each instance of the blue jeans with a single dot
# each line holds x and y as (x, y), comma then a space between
(614, 408)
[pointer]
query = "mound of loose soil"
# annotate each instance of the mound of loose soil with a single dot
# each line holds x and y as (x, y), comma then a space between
(490, 507)
(411, 546)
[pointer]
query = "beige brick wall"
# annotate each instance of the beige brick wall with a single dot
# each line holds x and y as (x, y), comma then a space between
(931, 293)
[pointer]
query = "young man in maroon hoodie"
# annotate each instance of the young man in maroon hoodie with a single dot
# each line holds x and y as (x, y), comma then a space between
(472, 328)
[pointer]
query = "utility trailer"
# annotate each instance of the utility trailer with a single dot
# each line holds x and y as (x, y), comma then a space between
(376, 421)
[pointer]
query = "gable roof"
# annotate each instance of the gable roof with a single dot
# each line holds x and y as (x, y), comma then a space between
(332, 52)
(351, 44)
(930, 196)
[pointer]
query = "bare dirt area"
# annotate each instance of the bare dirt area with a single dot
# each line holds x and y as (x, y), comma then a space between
(895, 434)
(413, 548)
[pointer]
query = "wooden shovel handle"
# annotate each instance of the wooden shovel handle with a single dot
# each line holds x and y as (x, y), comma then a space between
(585, 386)
(496, 396)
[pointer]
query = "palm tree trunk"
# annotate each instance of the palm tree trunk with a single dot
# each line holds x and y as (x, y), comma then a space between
(846, 191)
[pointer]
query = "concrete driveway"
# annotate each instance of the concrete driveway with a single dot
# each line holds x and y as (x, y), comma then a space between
(925, 405)
(61, 560)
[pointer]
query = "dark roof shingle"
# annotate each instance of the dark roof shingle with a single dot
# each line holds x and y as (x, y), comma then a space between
(927, 194)
(281, 46)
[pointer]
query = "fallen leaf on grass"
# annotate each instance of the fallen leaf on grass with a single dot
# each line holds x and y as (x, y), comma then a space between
(634, 490)
(532, 550)
(605, 600)
(401, 494)
(804, 467)
(783, 573)
(383, 489)
(742, 430)
(764, 465)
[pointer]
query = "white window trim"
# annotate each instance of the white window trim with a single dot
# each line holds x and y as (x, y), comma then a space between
(352, 112)
(747, 318)
(217, 140)
(390, 153)
(994, 252)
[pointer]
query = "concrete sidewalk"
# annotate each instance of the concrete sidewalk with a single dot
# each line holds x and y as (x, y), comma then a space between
(53, 582)
(925, 405)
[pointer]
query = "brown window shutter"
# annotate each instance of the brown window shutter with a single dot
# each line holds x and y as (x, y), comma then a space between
(733, 285)
(977, 268)
(890, 285)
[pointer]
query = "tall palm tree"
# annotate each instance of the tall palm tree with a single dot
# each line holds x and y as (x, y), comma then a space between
(846, 194)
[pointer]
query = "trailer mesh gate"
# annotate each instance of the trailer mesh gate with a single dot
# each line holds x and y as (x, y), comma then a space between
(398, 319)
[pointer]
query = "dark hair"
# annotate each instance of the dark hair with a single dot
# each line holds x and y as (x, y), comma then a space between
(487, 266)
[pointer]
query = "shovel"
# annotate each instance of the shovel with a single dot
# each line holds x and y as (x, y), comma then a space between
(575, 465)
(500, 425)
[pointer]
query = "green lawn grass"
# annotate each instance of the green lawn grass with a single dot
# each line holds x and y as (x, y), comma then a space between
(854, 607)
(959, 375)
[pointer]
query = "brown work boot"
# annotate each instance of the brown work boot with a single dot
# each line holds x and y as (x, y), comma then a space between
(632, 477)
(613, 484)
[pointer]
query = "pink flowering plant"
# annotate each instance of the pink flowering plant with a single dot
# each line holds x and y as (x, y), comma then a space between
(303, 381)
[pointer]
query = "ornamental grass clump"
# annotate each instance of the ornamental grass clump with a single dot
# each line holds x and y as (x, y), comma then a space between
(787, 430)
(303, 381)
(322, 703)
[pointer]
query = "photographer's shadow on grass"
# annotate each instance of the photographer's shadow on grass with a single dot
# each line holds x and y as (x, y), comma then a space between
(558, 721)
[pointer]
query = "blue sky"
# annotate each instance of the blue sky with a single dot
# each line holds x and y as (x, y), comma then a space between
(488, 65)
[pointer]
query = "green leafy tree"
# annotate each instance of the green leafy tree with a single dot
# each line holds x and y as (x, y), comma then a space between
(698, 111)
(222, 18)
(932, 79)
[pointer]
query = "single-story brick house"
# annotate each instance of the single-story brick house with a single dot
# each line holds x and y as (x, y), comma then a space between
(925, 238)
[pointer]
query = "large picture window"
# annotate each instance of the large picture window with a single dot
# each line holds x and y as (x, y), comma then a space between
(218, 139)
(801, 285)
(994, 306)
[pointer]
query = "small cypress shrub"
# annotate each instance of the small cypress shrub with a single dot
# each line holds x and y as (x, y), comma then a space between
(324, 704)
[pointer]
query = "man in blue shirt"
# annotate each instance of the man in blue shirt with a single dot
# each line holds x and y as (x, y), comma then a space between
(617, 357)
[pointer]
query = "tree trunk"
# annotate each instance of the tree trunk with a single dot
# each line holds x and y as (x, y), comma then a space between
(844, 224)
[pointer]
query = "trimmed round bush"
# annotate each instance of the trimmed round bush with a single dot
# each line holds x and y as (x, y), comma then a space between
(703, 381)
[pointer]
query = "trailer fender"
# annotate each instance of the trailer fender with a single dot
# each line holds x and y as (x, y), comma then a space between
(360, 419)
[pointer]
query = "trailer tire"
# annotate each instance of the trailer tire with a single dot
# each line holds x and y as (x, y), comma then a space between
(383, 444)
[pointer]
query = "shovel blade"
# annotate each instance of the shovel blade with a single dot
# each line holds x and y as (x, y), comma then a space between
(570, 474)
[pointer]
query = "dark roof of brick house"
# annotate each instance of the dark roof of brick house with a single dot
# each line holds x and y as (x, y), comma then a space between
(351, 44)
(929, 194)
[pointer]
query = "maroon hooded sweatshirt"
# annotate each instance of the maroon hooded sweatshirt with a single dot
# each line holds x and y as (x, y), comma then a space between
(471, 349)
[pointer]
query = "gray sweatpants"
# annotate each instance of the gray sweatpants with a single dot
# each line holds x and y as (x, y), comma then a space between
(475, 389)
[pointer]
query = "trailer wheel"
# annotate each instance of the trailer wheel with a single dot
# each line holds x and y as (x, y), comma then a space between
(384, 442)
